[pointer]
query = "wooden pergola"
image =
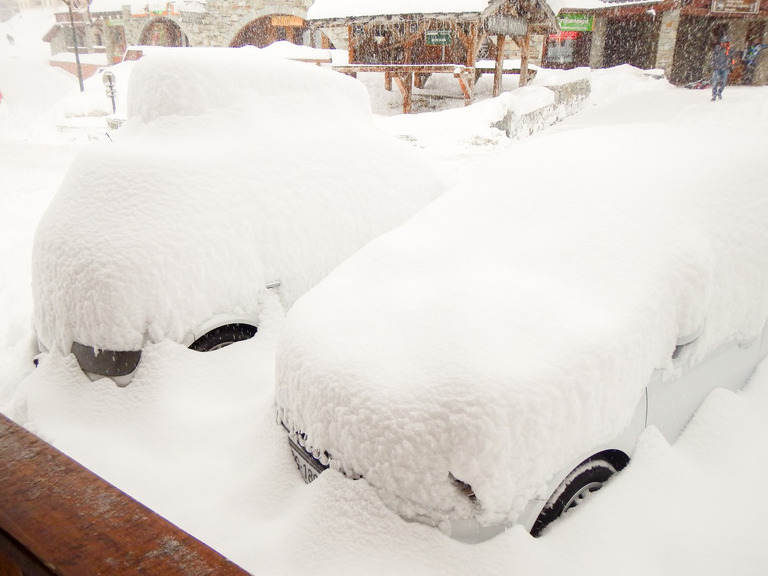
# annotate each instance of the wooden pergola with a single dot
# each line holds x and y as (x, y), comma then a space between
(408, 48)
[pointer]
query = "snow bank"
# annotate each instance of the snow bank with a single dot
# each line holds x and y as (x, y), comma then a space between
(610, 83)
(191, 81)
(215, 186)
(93, 102)
(512, 114)
(31, 88)
(508, 329)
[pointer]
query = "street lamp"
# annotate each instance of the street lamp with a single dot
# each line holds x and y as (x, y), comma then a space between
(78, 5)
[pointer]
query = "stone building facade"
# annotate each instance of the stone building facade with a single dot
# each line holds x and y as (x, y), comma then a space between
(111, 27)
(676, 36)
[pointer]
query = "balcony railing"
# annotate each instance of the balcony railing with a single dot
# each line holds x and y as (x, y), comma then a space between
(58, 518)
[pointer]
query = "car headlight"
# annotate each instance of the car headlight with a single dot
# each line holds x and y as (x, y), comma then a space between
(108, 363)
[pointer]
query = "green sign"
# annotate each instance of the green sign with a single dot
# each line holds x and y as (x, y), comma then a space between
(438, 37)
(576, 22)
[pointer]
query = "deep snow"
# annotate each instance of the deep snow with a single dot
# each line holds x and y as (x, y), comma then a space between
(196, 438)
(509, 328)
(212, 190)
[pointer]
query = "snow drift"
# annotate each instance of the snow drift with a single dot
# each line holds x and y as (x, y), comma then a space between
(508, 329)
(234, 170)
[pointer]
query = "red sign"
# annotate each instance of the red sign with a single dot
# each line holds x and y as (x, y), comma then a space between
(567, 35)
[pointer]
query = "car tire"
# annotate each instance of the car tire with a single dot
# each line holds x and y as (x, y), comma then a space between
(586, 478)
(223, 336)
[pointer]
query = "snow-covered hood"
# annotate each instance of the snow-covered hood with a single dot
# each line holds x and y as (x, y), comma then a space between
(211, 190)
(508, 329)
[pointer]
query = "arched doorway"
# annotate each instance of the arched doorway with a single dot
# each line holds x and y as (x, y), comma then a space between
(269, 29)
(163, 32)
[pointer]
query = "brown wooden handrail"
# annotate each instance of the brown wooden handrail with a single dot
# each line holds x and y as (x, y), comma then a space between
(58, 518)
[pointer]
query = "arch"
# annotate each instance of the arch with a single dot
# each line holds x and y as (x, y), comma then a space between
(163, 32)
(266, 30)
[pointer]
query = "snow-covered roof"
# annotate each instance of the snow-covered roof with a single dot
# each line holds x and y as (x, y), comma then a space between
(329, 9)
(334, 9)
(102, 6)
(291, 51)
(575, 5)
(97, 58)
(136, 6)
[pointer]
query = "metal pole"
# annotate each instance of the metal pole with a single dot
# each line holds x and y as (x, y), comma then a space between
(77, 53)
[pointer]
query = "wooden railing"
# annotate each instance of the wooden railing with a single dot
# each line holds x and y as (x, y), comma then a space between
(58, 518)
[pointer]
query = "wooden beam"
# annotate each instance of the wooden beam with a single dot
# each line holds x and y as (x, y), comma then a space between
(58, 518)
(405, 83)
(466, 87)
(524, 49)
(498, 70)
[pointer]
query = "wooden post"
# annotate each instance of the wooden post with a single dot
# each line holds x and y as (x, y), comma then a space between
(405, 83)
(498, 71)
(351, 50)
(524, 48)
(474, 46)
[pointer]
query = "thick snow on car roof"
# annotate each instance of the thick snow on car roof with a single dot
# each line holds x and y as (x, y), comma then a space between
(224, 178)
(507, 329)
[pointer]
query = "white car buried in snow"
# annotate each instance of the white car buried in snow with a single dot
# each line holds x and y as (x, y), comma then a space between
(236, 173)
(494, 360)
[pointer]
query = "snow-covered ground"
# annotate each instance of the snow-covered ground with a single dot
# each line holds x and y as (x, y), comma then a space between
(196, 438)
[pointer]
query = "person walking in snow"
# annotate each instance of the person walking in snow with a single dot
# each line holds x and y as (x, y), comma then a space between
(721, 66)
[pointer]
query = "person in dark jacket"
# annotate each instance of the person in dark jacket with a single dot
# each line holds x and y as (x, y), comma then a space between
(721, 66)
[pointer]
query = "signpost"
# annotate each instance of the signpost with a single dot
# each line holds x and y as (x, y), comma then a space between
(438, 37)
(736, 6)
(506, 26)
(576, 22)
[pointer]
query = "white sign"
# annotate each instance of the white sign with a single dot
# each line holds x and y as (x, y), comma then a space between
(506, 25)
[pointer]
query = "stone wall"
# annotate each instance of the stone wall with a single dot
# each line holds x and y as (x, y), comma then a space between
(665, 53)
(221, 21)
(568, 98)
(599, 30)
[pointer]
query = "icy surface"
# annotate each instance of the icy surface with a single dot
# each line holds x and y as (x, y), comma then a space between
(212, 189)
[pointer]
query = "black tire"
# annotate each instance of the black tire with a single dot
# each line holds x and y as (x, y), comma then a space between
(586, 478)
(223, 336)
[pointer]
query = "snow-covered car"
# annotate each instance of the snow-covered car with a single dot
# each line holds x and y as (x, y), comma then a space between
(495, 359)
(235, 173)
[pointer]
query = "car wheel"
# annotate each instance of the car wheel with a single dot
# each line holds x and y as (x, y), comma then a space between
(586, 478)
(223, 336)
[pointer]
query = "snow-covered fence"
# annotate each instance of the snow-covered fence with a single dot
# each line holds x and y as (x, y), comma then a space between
(533, 108)
(554, 95)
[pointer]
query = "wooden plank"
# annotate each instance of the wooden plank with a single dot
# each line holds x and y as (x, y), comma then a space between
(58, 516)
(401, 68)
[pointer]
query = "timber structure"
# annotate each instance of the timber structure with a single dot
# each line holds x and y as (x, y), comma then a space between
(409, 47)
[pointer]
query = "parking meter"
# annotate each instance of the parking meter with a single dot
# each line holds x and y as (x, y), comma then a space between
(109, 81)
